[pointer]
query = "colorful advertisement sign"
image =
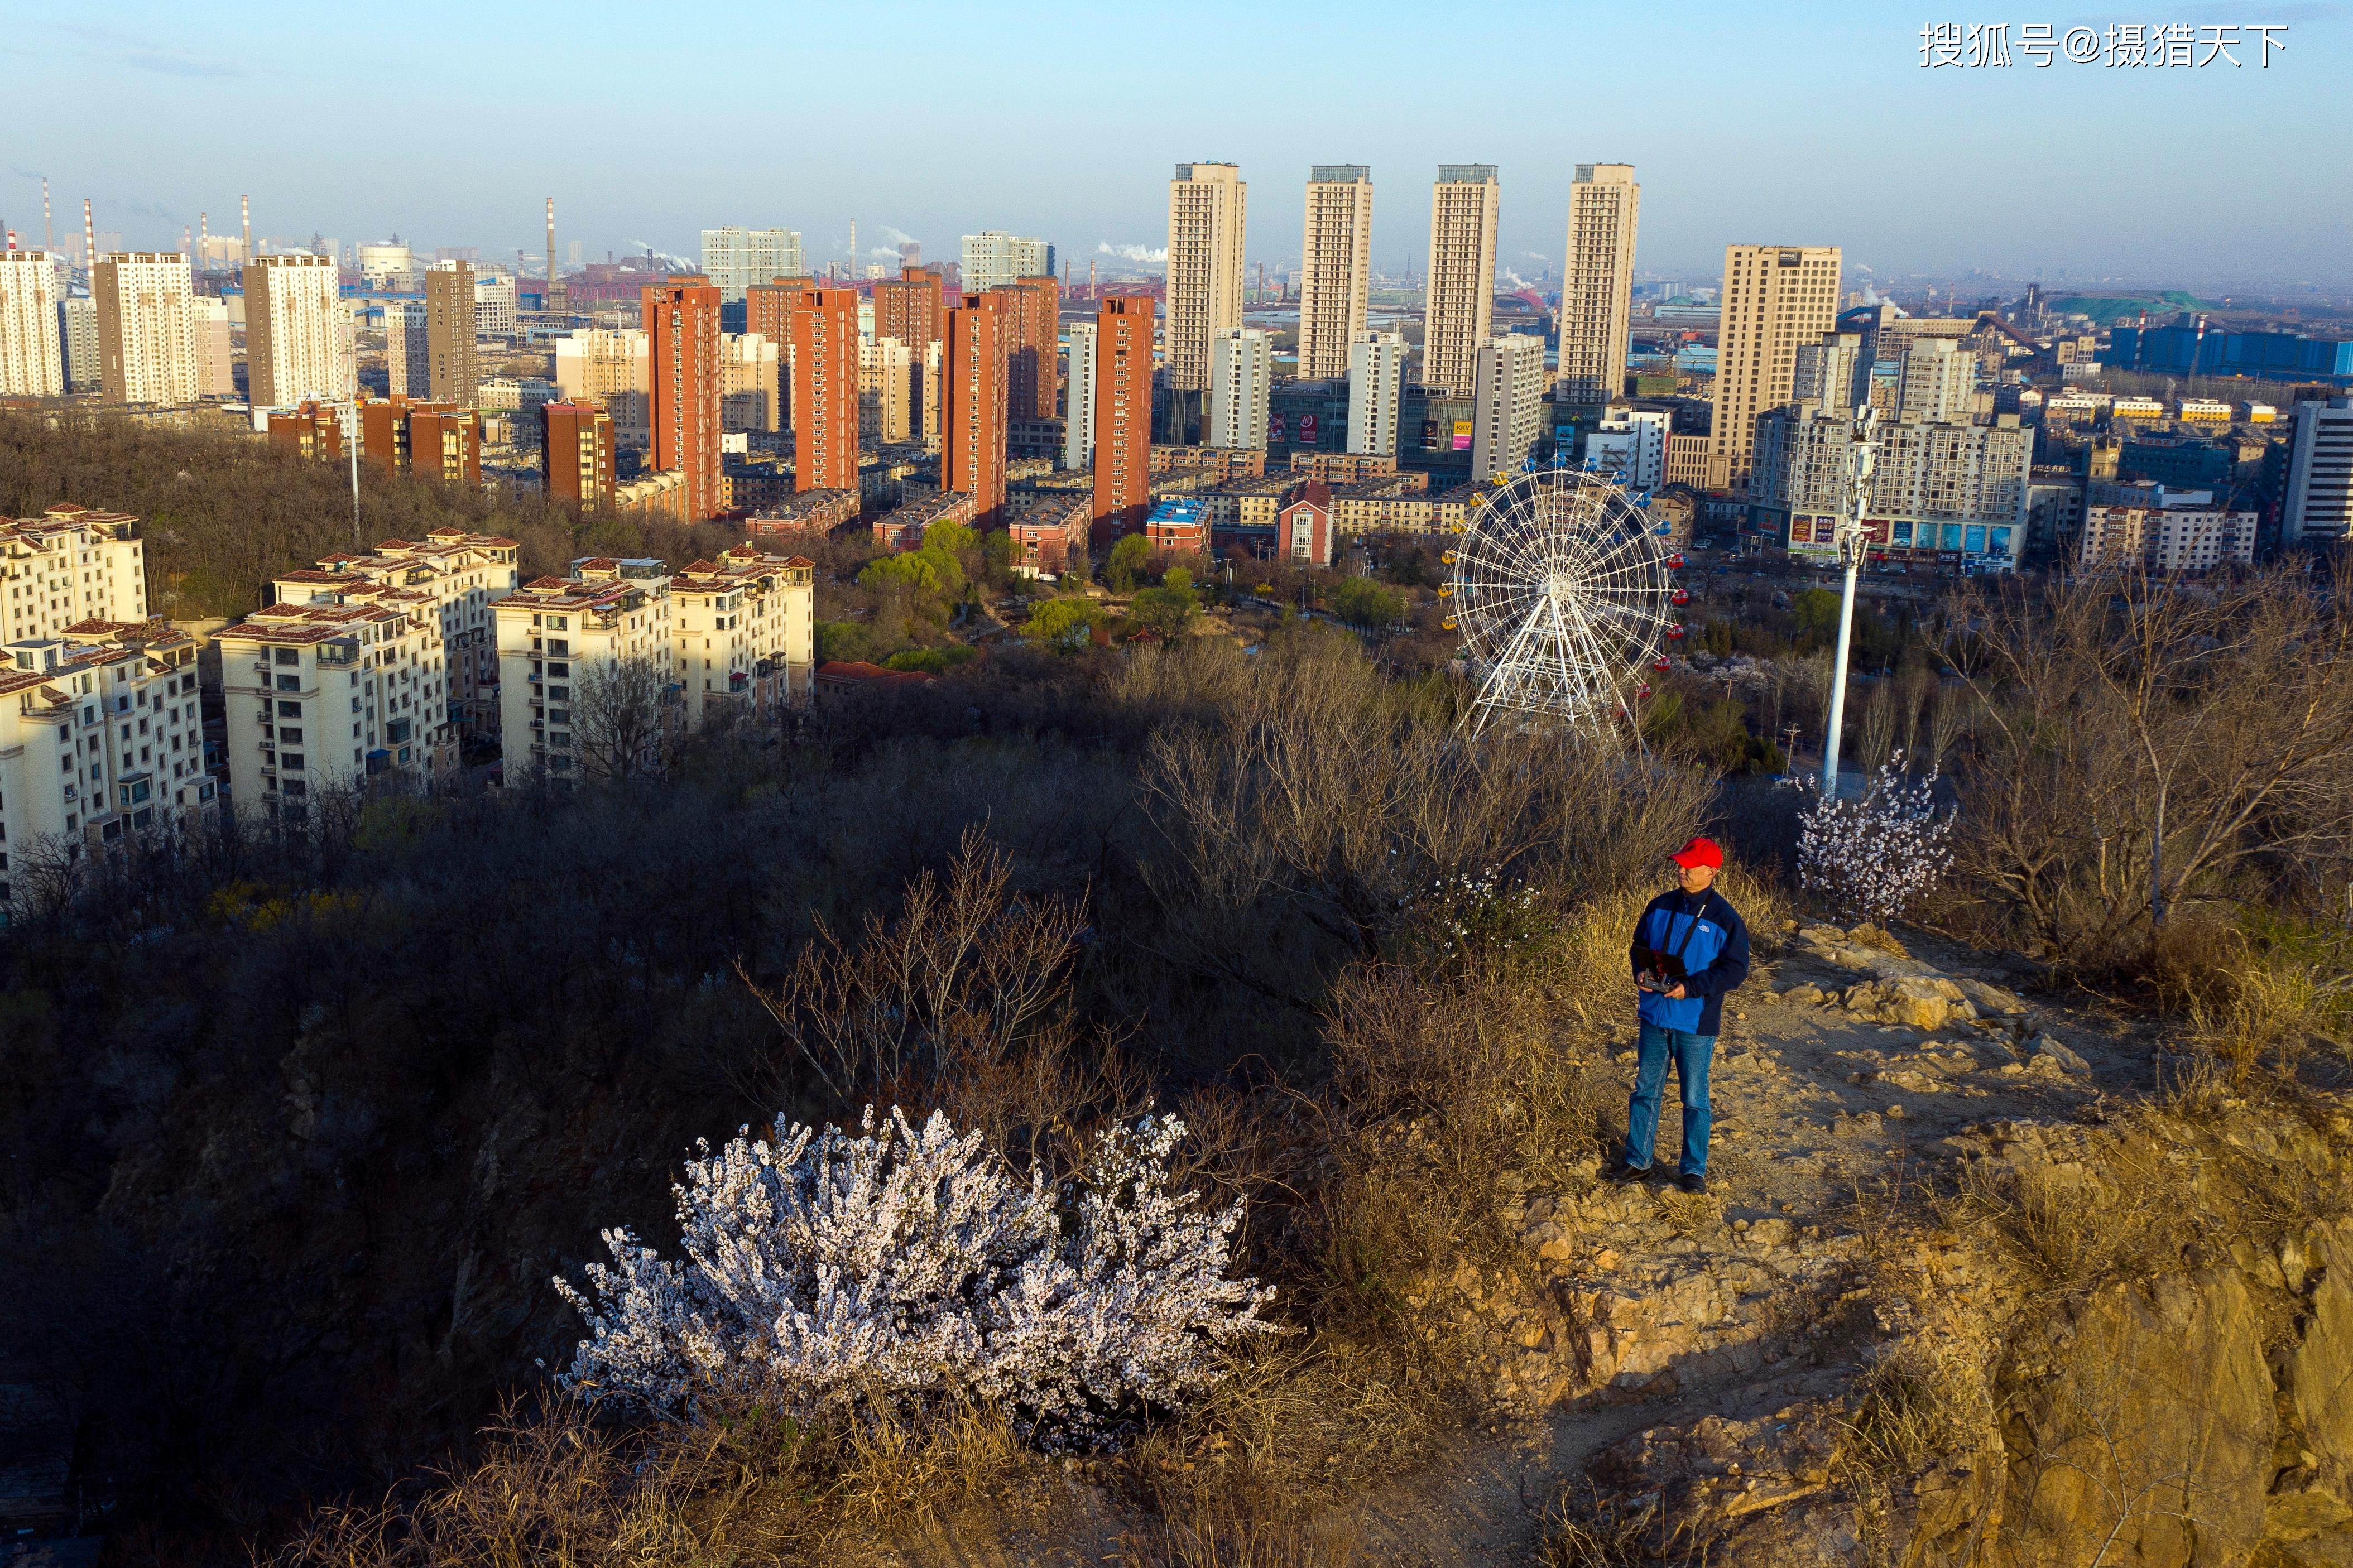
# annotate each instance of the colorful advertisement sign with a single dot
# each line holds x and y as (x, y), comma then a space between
(1307, 424)
(1275, 428)
(1462, 434)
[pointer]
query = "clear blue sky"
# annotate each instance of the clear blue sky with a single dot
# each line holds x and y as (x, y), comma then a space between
(1811, 124)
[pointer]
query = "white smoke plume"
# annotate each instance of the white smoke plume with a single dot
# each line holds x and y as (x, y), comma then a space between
(1132, 252)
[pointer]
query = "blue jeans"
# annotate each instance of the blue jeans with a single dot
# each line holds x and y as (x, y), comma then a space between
(1692, 1053)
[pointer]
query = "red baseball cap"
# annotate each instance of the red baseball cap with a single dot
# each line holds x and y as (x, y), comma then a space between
(1699, 852)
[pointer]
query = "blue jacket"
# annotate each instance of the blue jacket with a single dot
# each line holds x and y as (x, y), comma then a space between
(1715, 958)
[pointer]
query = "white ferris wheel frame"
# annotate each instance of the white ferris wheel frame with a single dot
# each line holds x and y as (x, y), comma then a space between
(1563, 593)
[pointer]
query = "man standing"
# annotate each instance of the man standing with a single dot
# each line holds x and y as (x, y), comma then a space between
(1690, 947)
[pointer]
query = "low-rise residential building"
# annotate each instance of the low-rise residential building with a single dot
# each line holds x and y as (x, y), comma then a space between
(70, 565)
(1303, 529)
(294, 676)
(458, 575)
(1178, 526)
(804, 514)
(904, 528)
(1347, 467)
(556, 633)
(745, 634)
(1222, 462)
(101, 735)
(1048, 532)
(2194, 538)
(1387, 503)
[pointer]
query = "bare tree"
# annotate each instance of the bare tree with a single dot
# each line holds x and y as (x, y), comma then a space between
(2143, 742)
(619, 725)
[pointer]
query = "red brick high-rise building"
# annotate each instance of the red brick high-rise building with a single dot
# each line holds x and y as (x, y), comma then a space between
(768, 306)
(973, 409)
(908, 309)
(825, 391)
(1122, 383)
(575, 454)
(681, 323)
(1033, 308)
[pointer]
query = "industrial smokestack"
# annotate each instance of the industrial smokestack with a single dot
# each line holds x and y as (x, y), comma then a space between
(245, 206)
(49, 233)
(88, 239)
(204, 237)
(551, 250)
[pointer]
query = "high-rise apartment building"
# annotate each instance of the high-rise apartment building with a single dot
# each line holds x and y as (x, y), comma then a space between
(442, 439)
(1376, 389)
(494, 304)
(298, 332)
(1831, 372)
(1208, 209)
(407, 357)
(973, 408)
(1597, 283)
(1459, 293)
(1078, 425)
(681, 319)
(1508, 409)
(32, 358)
(1335, 267)
(991, 260)
(1631, 443)
(1121, 426)
(78, 337)
(1032, 310)
(1938, 382)
(770, 305)
(1776, 299)
(576, 454)
(751, 382)
(1241, 384)
(886, 384)
(908, 308)
(2319, 493)
(452, 371)
(736, 258)
(146, 327)
(215, 354)
(826, 349)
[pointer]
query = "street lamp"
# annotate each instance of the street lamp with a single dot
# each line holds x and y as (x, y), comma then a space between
(1853, 539)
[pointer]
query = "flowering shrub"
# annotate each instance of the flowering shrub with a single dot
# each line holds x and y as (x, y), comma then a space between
(828, 1274)
(1463, 914)
(1873, 859)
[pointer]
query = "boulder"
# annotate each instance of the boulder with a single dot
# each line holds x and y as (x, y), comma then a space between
(2051, 1050)
(1917, 1002)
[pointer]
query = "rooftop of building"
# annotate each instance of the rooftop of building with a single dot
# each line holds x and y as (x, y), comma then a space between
(924, 508)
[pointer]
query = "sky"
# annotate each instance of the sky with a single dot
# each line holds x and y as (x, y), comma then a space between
(1767, 123)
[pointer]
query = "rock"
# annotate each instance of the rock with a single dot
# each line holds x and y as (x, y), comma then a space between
(1824, 936)
(1919, 1003)
(1805, 994)
(2051, 1050)
(2160, 1389)
(1991, 999)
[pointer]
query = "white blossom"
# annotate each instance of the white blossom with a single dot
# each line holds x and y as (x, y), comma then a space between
(1873, 859)
(828, 1274)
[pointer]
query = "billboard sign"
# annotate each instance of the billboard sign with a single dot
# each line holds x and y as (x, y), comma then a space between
(1462, 434)
(1307, 423)
(1275, 428)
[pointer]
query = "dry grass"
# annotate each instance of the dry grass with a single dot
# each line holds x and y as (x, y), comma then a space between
(1602, 1530)
(1229, 1515)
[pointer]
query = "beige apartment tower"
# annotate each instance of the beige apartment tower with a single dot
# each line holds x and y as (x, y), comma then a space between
(1597, 283)
(1335, 267)
(1207, 206)
(1459, 297)
(146, 327)
(298, 332)
(32, 358)
(1776, 300)
(451, 368)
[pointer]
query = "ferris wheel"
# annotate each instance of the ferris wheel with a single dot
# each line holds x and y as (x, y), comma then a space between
(1564, 590)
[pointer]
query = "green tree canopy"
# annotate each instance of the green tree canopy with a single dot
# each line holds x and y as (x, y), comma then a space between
(1362, 602)
(1061, 624)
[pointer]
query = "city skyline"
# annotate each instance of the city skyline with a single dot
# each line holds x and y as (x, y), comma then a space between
(1681, 96)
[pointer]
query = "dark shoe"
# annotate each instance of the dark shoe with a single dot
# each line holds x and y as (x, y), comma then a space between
(1623, 1172)
(1692, 1184)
